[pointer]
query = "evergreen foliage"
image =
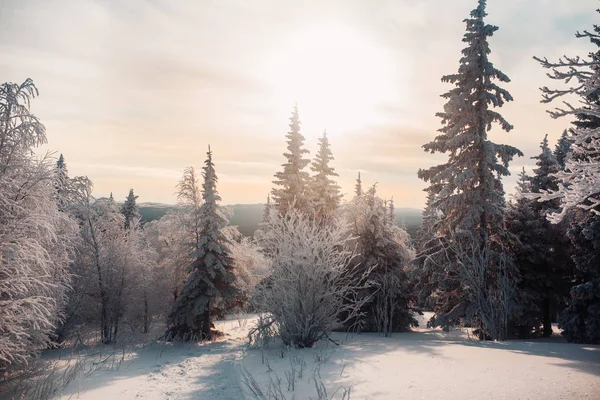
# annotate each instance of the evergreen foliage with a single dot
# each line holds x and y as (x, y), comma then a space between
(210, 284)
(467, 189)
(130, 210)
(292, 182)
(325, 193)
(579, 185)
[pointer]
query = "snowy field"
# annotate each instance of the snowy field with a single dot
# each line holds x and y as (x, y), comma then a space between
(425, 364)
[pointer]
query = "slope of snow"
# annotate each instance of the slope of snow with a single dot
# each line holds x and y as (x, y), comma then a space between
(426, 364)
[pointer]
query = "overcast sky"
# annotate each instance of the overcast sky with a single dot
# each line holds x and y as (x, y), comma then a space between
(132, 92)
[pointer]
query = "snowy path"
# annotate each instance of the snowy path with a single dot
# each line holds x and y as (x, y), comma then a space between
(167, 371)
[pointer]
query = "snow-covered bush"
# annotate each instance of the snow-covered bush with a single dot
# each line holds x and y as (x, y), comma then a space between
(314, 279)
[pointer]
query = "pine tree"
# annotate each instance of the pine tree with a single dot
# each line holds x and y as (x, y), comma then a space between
(391, 212)
(211, 283)
(293, 180)
(358, 191)
(130, 210)
(467, 188)
(325, 193)
(563, 147)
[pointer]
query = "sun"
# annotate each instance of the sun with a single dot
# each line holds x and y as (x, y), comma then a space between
(338, 78)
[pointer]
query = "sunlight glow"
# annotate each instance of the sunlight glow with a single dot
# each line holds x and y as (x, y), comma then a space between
(338, 78)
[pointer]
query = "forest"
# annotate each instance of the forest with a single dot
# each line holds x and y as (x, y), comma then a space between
(77, 269)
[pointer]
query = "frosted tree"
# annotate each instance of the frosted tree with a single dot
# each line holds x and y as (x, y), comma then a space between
(579, 184)
(467, 188)
(384, 253)
(314, 285)
(292, 182)
(61, 183)
(130, 210)
(562, 148)
(523, 183)
(267, 211)
(324, 192)
(391, 212)
(34, 236)
(358, 191)
(211, 282)
(580, 180)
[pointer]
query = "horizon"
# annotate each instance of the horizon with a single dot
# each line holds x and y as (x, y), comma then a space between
(133, 93)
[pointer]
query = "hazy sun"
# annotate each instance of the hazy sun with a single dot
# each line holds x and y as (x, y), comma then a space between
(338, 78)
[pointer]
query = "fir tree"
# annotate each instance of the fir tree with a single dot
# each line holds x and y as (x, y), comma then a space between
(293, 180)
(130, 210)
(358, 191)
(391, 212)
(563, 147)
(467, 188)
(210, 285)
(325, 193)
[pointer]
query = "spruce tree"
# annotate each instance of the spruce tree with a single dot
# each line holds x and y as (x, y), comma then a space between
(61, 183)
(267, 210)
(563, 147)
(467, 188)
(292, 182)
(130, 210)
(523, 183)
(541, 252)
(579, 185)
(210, 285)
(324, 192)
(391, 212)
(358, 191)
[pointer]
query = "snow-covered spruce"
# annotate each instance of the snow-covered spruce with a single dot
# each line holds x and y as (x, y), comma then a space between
(580, 180)
(210, 283)
(467, 188)
(292, 183)
(324, 192)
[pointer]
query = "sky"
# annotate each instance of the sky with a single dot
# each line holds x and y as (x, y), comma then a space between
(132, 92)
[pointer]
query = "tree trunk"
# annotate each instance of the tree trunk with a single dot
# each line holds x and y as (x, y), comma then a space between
(547, 318)
(146, 319)
(206, 331)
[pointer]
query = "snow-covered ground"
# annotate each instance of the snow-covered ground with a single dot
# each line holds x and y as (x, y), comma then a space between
(427, 364)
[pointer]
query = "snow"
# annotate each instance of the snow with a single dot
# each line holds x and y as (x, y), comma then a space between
(424, 364)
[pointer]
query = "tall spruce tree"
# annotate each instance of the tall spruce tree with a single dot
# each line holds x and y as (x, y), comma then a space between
(324, 192)
(579, 185)
(211, 283)
(467, 189)
(292, 182)
(130, 210)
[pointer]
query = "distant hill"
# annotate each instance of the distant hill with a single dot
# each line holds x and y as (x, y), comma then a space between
(247, 216)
